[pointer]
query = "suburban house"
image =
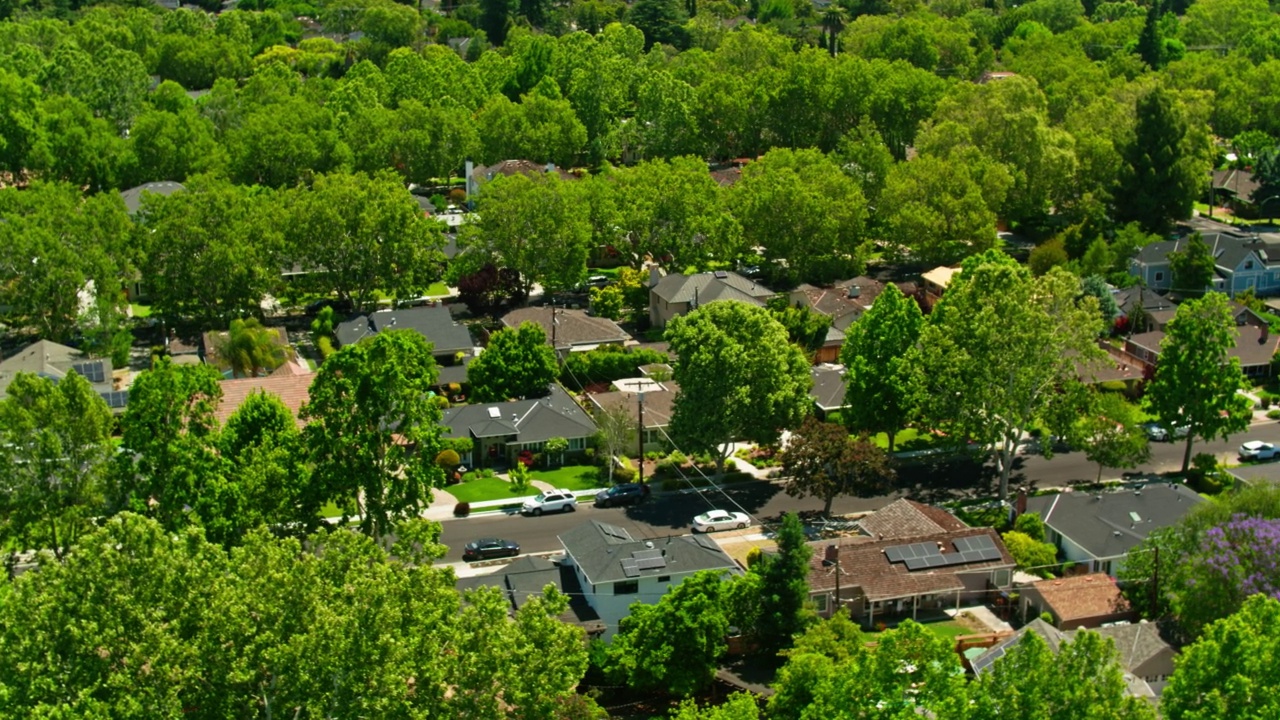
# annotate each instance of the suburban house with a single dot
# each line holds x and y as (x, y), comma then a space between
(908, 518)
(844, 302)
(616, 570)
(1147, 660)
(1080, 601)
(1254, 344)
(212, 338)
(656, 400)
(570, 330)
(433, 322)
(1241, 262)
(53, 361)
(1237, 189)
(500, 431)
(934, 283)
(828, 389)
(478, 175)
(1157, 307)
(1097, 530)
(894, 578)
(528, 576)
(291, 382)
(676, 294)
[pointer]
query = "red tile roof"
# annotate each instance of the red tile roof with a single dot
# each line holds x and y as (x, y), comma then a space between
(291, 388)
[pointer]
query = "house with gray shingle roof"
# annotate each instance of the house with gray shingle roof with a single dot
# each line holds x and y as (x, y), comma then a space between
(500, 431)
(53, 361)
(1240, 261)
(828, 389)
(527, 577)
(447, 336)
(677, 294)
(570, 330)
(616, 569)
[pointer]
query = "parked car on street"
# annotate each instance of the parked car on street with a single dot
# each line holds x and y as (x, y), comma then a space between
(720, 520)
(550, 501)
(622, 494)
(486, 548)
(1258, 450)
(1158, 433)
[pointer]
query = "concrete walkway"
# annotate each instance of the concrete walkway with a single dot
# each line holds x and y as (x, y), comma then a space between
(984, 615)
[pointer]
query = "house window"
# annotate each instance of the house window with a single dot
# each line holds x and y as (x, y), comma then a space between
(1000, 578)
(820, 603)
(626, 587)
(577, 443)
(1159, 276)
(664, 578)
(1248, 265)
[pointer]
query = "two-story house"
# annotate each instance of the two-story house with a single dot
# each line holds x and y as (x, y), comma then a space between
(675, 295)
(1241, 263)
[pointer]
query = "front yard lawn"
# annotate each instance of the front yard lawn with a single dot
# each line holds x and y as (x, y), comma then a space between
(907, 439)
(572, 477)
(437, 289)
(486, 488)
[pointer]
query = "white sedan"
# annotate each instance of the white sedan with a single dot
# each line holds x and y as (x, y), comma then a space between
(720, 520)
(1258, 450)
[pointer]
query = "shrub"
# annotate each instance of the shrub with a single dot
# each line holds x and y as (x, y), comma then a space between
(1046, 617)
(730, 465)
(462, 509)
(1030, 525)
(448, 458)
(624, 474)
(589, 454)
(753, 556)
(677, 458)
(606, 364)
(521, 476)
(1274, 414)
(324, 346)
(653, 455)
(441, 402)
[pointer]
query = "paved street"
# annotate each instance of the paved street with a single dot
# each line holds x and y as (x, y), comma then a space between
(930, 482)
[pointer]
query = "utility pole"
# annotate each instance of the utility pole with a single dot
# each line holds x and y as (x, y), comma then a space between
(1155, 583)
(640, 433)
(554, 348)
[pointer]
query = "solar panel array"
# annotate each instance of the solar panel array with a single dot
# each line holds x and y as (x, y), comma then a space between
(921, 556)
(615, 532)
(116, 398)
(651, 559)
(630, 568)
(94, 372)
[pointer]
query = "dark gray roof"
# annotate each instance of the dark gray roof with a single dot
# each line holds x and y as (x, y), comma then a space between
(433, 323)
(572, 327)
(133, 196)
(1102, 524)
(1053, 637)
(1129, 298)
(538, 420)
(53, 361)
(722, 285)
(1136, 643)
(528, 576)
(828, 388)
(1228, 249)
(454, 373)
(606, 553)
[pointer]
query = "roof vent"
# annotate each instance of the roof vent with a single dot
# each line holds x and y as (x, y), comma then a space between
(1116, 533)
(854, 291)
(721, 275)
(648, 543)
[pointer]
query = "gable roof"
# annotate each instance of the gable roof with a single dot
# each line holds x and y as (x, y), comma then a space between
(1227, 248)
(941, 276)
(287, 383)
(658, 404)
(607, 553)
(1103, 525)
(1136, 642)
(908, 518)
(708, 287)
(572, 327)
(536, 420)
(1129, 298)
(53, 361)
(133, 196)
(526, 577)
(1254, 345)
(1081, 597)
(1241, 183)
(844, 302)
(828, 388)
(867, 567)
(1053, 637)
(435, 324)
(507, 168)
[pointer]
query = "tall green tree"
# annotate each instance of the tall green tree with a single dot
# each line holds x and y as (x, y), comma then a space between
(998, 349)
(670, 211)
(1164, 168)
(935, 213)
(1193, 267)
(55, 441)
(781, 610)
(805, 326)
(1111, 434)
(250, 349)
(877, 371)
(822, 460)
(374, 429)
(1230, 673)
(1197, 381)
(674, 645)
(519, 362)
(739, 377)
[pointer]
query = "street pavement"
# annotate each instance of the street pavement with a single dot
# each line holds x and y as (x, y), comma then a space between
(934, 480)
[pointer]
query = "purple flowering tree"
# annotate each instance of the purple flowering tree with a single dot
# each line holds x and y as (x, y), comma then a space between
(1236, 559)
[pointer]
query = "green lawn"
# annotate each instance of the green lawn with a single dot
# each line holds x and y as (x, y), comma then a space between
(572, 477)
(331, 509)
(482, 489)
(140, 311)
(908, 439)
(611, 273)
(437, 289)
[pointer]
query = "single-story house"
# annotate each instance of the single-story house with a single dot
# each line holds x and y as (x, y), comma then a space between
(1097, 530)
(53, 361)
(478, 175)
(658, 405)
(935, 283)
(1241, 262)
(908, 518)
(500, 431)
(677, 294)
(615, 570)
(434, 322)
(828, 389)
(1238, 189)
(1254, 343)
(844, 302)
(571, 330)
(1146, 659)
(212, 338)
(528, 576)
(290, 382)
(1080, 601)
(898, 577)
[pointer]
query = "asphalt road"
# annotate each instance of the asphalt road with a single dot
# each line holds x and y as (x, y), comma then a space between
(671, 514)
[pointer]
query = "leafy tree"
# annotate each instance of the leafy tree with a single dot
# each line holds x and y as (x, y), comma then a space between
(661, 21)
(496, 18)
(25, 144)
(607, 302)
(1095, 286)
(55, 440)
(1033, 555)
(281, 143)
(674, 645)
(1165, 166)
(805, 326)
(174, 145)
(877, 373)
(1197, 381)
(374, 428)
(1084, 679)
(739, 706)
(997, 350)
(519, 362)
(1046, 256)
(534, 225)
(542, 128)
(1111, 434)
(784, 587)
(84, 150)
(1234, 560)
(489, 289)
(823, 460)
(1031, 525)
(616, 430)
(1230, 672)
(740, 379)
(935, 212)
(168, 456)
(1193, 267)
(1151, 42)
(250, 349)
(668, 210)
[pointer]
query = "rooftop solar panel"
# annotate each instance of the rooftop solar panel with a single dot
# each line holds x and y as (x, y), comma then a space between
(629, 568)
(651, 563)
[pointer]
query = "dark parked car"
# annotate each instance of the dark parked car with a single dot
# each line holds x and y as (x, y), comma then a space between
(486, 548)
(622, 494)
(340, 307)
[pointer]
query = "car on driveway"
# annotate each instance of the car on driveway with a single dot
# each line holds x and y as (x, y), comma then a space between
(486, 548)
(1258, 450)
(550, 501)
(621, 494)
(720, 520)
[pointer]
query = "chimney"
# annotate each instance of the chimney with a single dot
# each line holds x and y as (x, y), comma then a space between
(1263, 332)
(1020, 505)
(655, 275)
(831, 554)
